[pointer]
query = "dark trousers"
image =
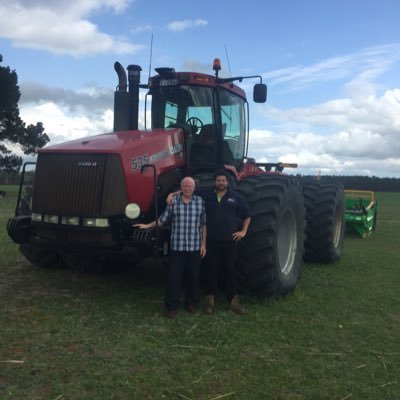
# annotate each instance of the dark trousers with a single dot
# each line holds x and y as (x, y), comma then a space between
(184, 269)
(220, 262)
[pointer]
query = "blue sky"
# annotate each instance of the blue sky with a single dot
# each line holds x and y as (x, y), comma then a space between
(332, 69)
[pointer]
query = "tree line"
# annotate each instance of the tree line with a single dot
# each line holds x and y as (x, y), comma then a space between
(372, 183)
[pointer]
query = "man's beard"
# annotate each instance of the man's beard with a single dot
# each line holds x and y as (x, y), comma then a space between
(221, 188)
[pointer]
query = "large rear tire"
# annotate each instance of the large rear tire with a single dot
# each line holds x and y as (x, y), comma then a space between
(270, 256)
(325, 216)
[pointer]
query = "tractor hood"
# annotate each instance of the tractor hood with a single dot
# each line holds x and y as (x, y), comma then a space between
(113, 142)
(162, 148)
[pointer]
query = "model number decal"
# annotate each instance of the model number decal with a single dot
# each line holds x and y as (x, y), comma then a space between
(168, 82)
(139, 161)
(143, 159)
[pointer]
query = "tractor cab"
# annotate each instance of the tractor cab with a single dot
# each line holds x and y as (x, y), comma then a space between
(213, 113)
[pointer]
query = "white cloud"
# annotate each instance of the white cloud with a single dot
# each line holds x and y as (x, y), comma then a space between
(360, 68)
(143, 28)
(61, 27)
(61, 125)
(68, 115)
(375, 114)
(344, 136)
(328, 154)
(178, 26)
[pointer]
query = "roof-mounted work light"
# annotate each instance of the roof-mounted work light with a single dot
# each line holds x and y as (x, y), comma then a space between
(216, 66)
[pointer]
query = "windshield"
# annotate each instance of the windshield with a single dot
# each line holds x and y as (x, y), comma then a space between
(176, 104)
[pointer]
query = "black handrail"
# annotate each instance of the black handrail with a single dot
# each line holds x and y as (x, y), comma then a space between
(155, 195)
(21, 182)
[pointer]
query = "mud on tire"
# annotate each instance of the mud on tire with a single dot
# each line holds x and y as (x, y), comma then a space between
(270, 256)
(325, 216)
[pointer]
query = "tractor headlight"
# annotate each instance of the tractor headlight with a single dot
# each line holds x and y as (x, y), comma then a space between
(70, 221)
(35, 217)
(96, 222)
(132, 211)
(51, 219)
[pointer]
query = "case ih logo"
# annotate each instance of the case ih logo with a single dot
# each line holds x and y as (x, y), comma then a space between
(87, 163)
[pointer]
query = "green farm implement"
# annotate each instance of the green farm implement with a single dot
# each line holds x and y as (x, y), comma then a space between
(361, 212)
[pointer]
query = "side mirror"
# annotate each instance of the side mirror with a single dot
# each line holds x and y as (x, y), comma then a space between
(260, 93)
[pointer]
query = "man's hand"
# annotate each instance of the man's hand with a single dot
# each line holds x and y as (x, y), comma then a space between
(171, 196)
(142, 226)
(238, 235)
(203, 250)
(242, 233)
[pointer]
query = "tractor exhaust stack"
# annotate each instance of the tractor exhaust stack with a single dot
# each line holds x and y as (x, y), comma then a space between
(126, 104)
(134, 81)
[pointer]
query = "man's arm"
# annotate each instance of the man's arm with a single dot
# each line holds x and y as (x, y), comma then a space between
(203, 249)
(147, 226)
(163, 219)
(242, 233)
(171, 196)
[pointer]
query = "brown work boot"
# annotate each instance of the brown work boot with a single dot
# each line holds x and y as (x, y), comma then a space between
(209, 304)
(236, 306)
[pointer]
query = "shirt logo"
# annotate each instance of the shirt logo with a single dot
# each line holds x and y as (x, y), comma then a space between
(231, 200)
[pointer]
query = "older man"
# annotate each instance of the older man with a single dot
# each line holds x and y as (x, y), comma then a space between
(228, 218)
(188, 246)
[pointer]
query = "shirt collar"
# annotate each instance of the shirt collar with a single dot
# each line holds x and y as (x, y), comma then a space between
(180, 198)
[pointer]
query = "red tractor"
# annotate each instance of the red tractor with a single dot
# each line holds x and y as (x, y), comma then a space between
(87, 193)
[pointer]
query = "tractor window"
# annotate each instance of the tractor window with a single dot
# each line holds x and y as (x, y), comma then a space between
(176, 104)
(233, 124)
(203, 113)
(171, 114)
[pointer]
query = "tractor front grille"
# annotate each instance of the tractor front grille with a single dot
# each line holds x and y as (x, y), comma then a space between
(82, 185)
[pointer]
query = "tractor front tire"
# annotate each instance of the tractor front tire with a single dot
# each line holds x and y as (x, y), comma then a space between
(40, 257)
(270, 255)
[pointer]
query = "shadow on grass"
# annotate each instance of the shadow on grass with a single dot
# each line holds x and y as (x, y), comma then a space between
(26, 284)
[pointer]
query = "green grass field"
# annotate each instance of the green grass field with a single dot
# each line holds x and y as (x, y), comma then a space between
(71, 335)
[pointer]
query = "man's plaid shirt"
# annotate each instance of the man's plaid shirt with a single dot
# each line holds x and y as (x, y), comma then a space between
(187, 221)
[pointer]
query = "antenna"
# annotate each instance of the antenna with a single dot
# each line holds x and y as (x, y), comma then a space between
(151, 57)
(227, 58)
(148, 82)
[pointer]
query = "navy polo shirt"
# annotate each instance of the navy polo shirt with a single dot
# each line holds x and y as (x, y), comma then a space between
(226, 216)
